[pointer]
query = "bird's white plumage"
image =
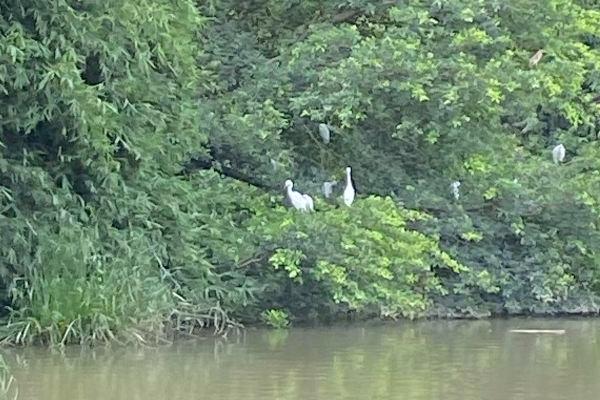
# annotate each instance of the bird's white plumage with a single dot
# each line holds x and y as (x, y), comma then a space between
(454, 188)
(327, 188)
(536, 58)
(298, 201)
(325, 133)
(308, 203)
(349, 191)
(558, 153)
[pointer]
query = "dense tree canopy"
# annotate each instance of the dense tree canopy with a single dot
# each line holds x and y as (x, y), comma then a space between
(144, 145)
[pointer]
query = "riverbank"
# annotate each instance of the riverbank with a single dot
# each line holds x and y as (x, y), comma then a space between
(141, 174)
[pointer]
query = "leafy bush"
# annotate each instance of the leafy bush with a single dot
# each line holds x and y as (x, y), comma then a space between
(143, 147)
(424, 94)
(275, 318)
(99, 109)
(365, 258)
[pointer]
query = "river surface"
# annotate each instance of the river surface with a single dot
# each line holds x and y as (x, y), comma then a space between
(431, 360)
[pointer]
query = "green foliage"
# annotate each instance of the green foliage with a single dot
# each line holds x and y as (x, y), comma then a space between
(143, 146)
(278, 319)
(363, 258)
(100, 112)
(424, 94)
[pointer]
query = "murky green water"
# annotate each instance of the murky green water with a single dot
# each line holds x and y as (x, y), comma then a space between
(460, 360)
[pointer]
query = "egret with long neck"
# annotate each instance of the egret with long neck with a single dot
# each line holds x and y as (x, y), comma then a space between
(349, 191)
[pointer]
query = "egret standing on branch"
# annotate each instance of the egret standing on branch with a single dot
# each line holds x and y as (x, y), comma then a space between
(454, 188)
(299, 201)
(349, 192)
(558, 154)
(536, 58)
(325, 133)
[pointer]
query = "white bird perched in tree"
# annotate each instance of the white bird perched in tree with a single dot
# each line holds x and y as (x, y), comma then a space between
(536, 58)
(327, 188)
(308, 203)
(302, 202)
(454, 188)
(558, 153)
(325, 133)
(349, 192)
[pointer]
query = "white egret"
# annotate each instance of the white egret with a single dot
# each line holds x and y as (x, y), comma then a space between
(558, 153)
(296, 198)
(536, 58)
(327, 188)
(349, 192)
(299, 201)
(308, 203)
(325, 133)
(454, 188)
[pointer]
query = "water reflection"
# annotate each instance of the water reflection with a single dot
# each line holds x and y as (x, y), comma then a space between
(426, 360)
